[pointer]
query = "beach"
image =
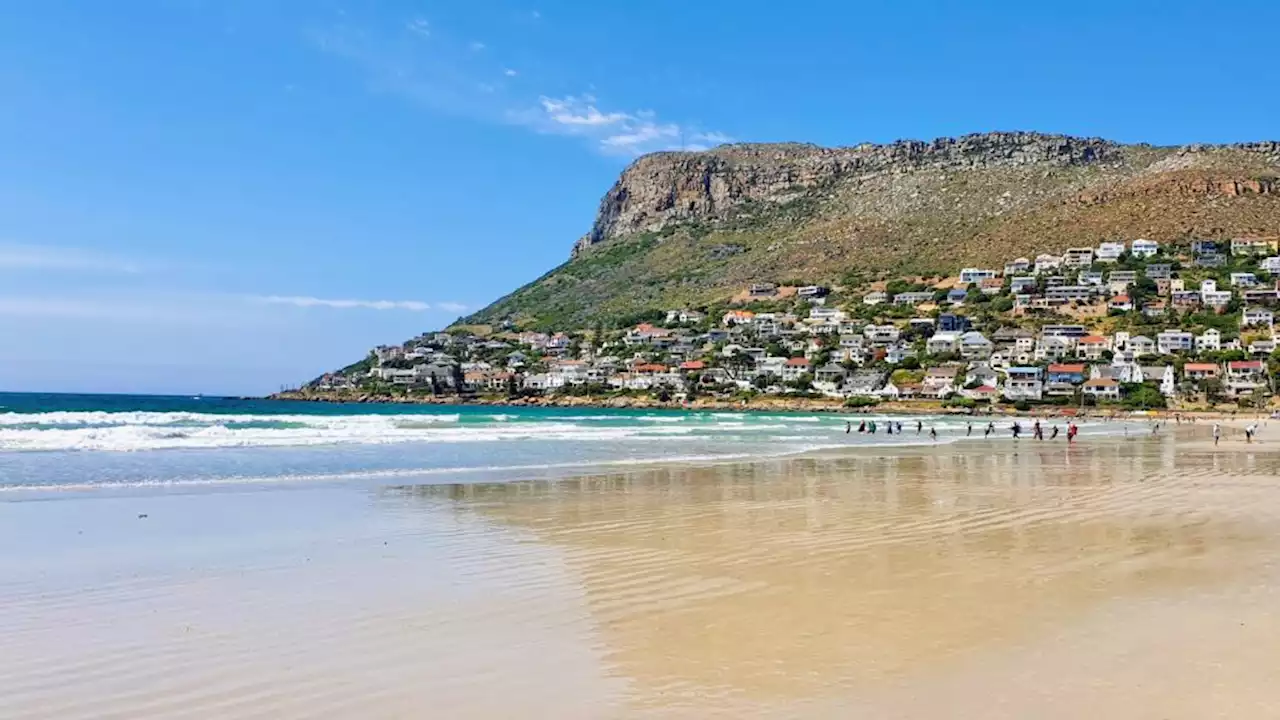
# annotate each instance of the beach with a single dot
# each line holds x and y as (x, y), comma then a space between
(1127, 575)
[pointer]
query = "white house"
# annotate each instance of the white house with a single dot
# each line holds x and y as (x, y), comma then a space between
(1141, 346)
(1045, 263)
(1055, 347)
(1271, 265)
(875, 297)
(943, 342)
(1109, 252)
(1163, 376)
(1174, 341)
(793, 368)
(1144, 248)
(1256, 316)
(1078, 257)
(975, 346)
(1211, 339)
(970, 276)
(1244, 279)
(1023, 383)
(1102, 389)
(1018, 266)
(881, 334)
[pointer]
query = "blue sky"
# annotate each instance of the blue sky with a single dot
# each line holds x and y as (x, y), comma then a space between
(230, 196)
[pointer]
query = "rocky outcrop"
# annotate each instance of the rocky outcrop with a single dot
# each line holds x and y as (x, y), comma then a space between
(665, 188)
(669, 187)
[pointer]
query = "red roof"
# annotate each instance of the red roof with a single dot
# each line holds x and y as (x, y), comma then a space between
(1092, 340)
(1245, 365)
(1101, 382)
(1192, 367)
(1067, 368)
(692, 365)
(653, 368)
(798, 362)
(1120, 299)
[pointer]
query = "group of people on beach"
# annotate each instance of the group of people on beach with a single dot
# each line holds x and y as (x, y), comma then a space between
(892, 427)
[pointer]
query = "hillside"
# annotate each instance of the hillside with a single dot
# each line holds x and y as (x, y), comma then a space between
(682, 228)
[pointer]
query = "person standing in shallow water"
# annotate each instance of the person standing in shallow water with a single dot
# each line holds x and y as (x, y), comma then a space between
(848, 428)
(969, 431)
(1054, 434)
(919, 427)
(1038, 431)
(933, 434)
(991, 427)
(1217, 433)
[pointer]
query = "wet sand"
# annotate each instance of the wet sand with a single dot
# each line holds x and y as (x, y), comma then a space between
(1125, 578)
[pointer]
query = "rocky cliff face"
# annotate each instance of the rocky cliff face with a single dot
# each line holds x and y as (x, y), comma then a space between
(665, 188)
(691, 229)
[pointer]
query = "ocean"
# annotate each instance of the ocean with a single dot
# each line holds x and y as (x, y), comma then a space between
(59, 443)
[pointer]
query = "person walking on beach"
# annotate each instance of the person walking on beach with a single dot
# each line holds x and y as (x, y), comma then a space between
(1249, 432)
(933, 434)
(848, 428)
(1017, 430)
(991, 427)
(1217, 433)
(1038, 431)
(1072, 431)
(899, 428)
(969, 431)
(888, 429)
(1054, 434)
(919, 427)
(862, 427)
(872, 427)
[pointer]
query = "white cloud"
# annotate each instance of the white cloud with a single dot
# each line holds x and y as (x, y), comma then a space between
(344, 304)
(510, 73)
(476, 46)
(420, 27)
(614, 132)
(34, 257)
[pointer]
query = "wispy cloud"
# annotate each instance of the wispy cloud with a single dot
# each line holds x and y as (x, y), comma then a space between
(35, 257)
(419, 27)
(451, 76)
(304, 301)
(615, 132)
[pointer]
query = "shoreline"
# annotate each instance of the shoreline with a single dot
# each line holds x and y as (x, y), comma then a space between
(765, 404)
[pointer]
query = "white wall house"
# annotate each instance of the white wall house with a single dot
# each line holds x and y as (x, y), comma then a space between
(1144, 248)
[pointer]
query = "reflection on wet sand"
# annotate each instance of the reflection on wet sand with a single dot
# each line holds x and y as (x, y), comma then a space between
(760, 585)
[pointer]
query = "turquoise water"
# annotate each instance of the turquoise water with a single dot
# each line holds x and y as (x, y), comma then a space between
(58, 443)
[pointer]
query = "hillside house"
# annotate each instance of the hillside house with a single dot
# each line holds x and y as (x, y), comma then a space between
(943, 342)
(1022, 283)
(1023, 383)
(1062, 379)
(975, 346)
(1200, 247)
(1250, 317)
(1109, 252)
(1246, 376)
(1201, 371)
(939, 382)
(1091, 347)
(1209, 340)
(875, 297)
(912, 298)
(881, 334)
(1021, 265)
(1143, 248)
(793, 368)
(1077, 258)
(1102, 390)
(1159, 271)
(1169, 342)
(1253, 246)
(1271, 265)
(972, 276)
(1047, 263)
(1243, 280)
(950, 322)
(1120, 303)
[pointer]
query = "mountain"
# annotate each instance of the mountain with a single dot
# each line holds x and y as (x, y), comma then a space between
(691, 228)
